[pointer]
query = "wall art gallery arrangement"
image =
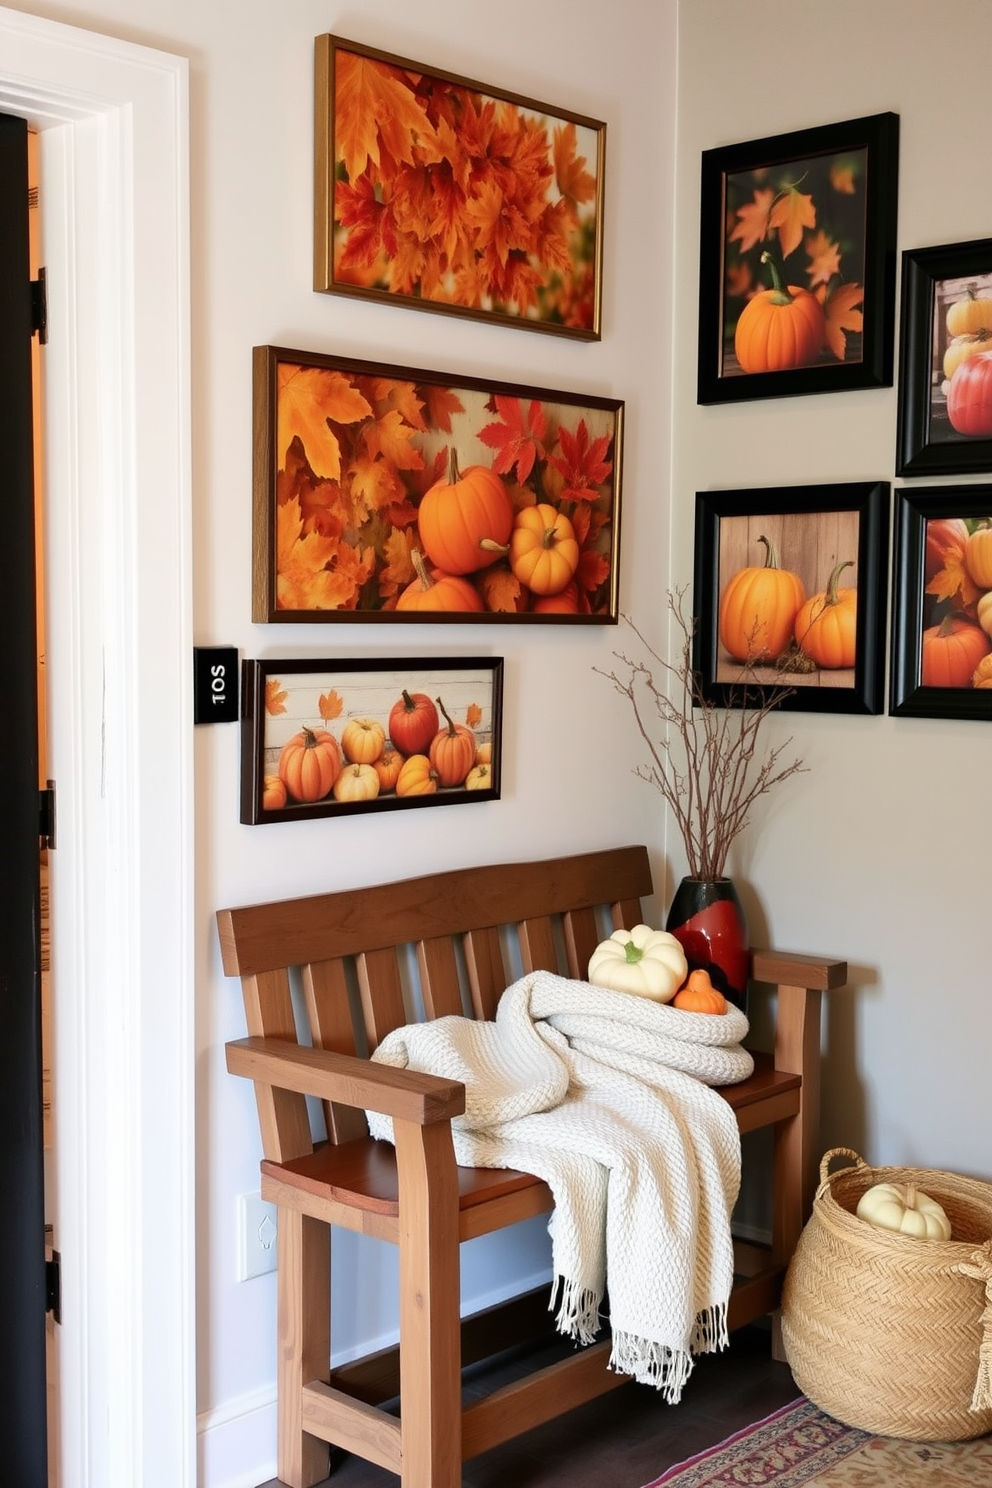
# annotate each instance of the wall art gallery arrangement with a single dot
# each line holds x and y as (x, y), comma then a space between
(388, 493)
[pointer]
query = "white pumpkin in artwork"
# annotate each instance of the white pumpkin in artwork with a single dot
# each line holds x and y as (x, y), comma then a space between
(904, 1208)
(649, 963)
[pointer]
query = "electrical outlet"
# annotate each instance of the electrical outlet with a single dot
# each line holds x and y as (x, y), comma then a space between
(257, 1236)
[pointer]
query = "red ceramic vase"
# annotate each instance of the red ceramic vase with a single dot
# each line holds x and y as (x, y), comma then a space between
(707, 917)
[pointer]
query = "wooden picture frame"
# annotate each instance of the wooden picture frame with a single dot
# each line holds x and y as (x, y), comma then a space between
(402, 733)
(353, 467)
(945, 320)
(939, 611)
(829, 537)
(813, 211)
(440, 193)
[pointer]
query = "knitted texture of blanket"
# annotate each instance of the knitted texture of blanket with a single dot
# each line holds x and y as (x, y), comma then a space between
(606, 1097)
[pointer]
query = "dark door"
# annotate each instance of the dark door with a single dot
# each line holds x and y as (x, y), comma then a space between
(23, 1447)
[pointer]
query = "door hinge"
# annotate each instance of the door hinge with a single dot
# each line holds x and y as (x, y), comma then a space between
(39, 307)
(46, 814)
(53, 1286)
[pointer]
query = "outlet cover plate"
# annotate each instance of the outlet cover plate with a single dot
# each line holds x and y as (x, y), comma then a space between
(257, 1236)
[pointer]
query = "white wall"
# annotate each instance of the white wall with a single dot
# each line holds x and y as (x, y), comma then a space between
(876, 854)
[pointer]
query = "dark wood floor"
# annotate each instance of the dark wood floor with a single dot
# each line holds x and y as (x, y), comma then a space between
(624, 1439)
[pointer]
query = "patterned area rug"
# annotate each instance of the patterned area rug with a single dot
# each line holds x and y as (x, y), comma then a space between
(799, 1445)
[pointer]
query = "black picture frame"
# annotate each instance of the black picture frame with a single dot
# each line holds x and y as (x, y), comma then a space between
(281, 698)
(933, 280)
(345, 454)
(853, 167)
(812, 529)
(929, 524)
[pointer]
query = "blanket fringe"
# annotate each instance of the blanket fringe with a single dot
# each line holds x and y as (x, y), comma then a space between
(652, 1364)
(578, 1309)
(710, 1333)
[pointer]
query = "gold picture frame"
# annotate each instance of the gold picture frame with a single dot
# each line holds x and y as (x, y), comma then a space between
(440, 193)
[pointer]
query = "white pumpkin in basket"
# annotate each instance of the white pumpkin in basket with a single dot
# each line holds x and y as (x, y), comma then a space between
(904, 1208)
(649, 963)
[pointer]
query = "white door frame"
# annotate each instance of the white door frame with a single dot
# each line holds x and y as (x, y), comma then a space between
(117, 480)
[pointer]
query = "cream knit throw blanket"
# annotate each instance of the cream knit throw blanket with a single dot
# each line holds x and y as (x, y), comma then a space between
(606, 1097)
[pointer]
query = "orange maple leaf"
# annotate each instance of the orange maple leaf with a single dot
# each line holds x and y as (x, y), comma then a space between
(792, 212)
(824, 257)
(842, 178)
(307, 397)
(440, 403)
(374, 107)
(388, 394)
(952, 580)
(397, 571)
(573, 180)
(502, 593)
(519, 442)
(330, 705)
(842, 314)
(582, 463)
(275, 696)
(473, 715)
(752, 220)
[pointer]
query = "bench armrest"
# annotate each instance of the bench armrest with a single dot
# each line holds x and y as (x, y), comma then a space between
(406, 1095)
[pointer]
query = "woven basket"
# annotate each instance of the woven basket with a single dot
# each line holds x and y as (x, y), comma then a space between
(888, 1332)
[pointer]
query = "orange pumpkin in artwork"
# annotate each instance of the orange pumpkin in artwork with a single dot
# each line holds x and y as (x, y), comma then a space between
(465, 519)
(951, 651)
(826, 627)
(438, 591)
(779, 328)
(309, 764)
(452, 751)
(758, 609)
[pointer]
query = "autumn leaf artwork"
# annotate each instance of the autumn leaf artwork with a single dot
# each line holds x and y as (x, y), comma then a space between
(794, 264)
(390, 493)
(335, 738)
(447, 196)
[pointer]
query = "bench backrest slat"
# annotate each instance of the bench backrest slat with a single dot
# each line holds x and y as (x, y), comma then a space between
(478, 925)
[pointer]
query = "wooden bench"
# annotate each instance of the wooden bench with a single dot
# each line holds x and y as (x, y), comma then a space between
(468, 934)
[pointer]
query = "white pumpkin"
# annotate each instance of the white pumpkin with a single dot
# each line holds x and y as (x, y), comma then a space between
(902, 1207)
(649, 963)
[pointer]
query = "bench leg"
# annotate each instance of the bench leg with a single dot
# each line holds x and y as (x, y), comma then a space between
(304, 1312)
(430, 1329)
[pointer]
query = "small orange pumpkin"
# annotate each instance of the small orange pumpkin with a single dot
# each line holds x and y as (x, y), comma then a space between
(452, 751)
(417, 777)
(388, 767)
(758, 609)
(437, 590)
(273, 793)
(826, 627)
(465, 519)
(779, 328)
(951, 651)
(544, 552)
(309, 764)
(699, 995)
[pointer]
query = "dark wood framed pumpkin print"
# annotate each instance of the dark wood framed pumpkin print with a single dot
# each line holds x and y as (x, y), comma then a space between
(945, 372)
(790, 593)
(395, 494)
(797, 262)
(942, 603)
(329, 738)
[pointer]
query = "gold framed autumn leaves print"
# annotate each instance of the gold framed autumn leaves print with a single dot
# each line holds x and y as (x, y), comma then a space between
(797, 262)
(439, 193)
(398, 494)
